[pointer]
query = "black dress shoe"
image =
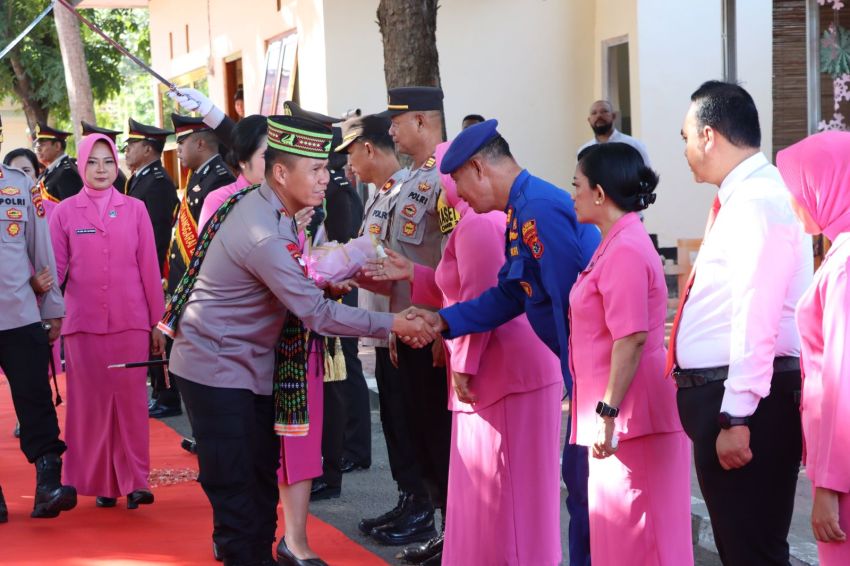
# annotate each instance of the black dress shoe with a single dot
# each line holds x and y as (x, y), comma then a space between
(217, 553)
(139, 497)
(159, 411)
(435, 560)
(105, 501)
(51, 497)
(190, 445)
(286, 558)
(420, 553)
(346, 465)
(321, 491)
(416, 524)
(366, 526)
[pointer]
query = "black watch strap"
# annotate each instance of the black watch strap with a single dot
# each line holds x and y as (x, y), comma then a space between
(603, 409)
(727, 421)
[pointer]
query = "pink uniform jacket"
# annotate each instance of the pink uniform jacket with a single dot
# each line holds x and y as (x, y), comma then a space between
(113, 280)
(509, 359)
(621, 292)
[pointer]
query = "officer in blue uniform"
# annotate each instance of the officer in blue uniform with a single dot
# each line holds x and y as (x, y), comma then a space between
(545, 249)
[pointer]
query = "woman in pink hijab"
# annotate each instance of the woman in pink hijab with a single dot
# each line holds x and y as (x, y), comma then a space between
(505, 397)
(817, 172)
(104, 247)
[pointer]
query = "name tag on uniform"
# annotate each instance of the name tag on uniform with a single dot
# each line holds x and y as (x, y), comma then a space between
(86, 231)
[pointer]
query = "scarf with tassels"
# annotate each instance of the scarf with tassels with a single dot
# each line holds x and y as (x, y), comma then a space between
(290, 375)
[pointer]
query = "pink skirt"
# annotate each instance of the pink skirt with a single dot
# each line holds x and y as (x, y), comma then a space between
(837, 553)
(640, 503)
(301, 456)
(503, 501)
(106, 423)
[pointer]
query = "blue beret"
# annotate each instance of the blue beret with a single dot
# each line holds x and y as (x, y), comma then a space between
(466, 144)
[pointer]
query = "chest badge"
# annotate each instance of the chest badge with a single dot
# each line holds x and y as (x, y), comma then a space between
(526, 287)
(409, 228)
(10, 191)
(14, 229)
(113, 214)
(424, 187)
(374, 228)
(14, 214)
(409, 211)
(196, 189)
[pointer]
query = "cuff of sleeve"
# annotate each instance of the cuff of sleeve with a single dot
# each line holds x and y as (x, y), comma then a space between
(383, 324)
(52, 312)
(835, 481)
(451, 320)
(739, 404)
(214, 118)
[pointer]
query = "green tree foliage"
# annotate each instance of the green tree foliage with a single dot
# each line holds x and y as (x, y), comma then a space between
(33, 73)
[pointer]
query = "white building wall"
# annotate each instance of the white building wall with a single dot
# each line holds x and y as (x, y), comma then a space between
(754, 32)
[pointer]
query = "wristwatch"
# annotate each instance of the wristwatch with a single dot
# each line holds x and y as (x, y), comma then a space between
(727, 421)
(603, 409)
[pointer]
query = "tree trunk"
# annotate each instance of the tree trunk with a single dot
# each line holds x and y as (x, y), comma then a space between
(409, 32)
(33, 110)
(76, 72)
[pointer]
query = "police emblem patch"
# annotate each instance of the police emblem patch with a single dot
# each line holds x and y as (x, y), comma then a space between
(409, 211)
(14, 229)
(374, 228)
(526, 287)
(514, 251)
(409, 228)
(424, 187)
(14, 214)
(10, 191)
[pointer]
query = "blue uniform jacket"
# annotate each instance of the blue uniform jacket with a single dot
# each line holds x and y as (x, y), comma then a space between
(545, 249)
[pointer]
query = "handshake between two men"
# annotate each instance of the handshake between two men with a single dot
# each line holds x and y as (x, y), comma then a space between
(417, 327)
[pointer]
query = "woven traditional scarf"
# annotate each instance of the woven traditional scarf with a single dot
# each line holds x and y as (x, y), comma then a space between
(290, 376)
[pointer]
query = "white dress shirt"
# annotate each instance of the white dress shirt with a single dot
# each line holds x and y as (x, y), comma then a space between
(620, 137)
(753, 265)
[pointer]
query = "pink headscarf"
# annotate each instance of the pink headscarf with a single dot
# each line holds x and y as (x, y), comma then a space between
(84, 151)
(449, 186)
(817, 172)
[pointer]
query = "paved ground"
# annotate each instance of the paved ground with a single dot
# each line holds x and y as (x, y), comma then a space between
(371, 492)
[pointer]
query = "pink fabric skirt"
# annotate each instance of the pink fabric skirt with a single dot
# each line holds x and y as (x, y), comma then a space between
(640, 503)
(837, 553)
(301, 456)
(106, 423)
(503, 500)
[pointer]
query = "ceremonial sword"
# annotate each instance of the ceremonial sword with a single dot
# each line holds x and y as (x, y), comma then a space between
(26, 31)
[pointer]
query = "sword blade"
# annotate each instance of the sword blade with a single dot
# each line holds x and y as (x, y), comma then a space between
(26, 31)
(121, 49)
(144, 364)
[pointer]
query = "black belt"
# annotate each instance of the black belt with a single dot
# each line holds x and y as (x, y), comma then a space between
(698, 377)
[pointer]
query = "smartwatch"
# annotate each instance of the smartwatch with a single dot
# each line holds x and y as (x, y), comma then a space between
(727, 421)
(603, 409)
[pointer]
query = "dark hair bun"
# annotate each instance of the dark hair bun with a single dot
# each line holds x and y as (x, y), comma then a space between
(620, 170)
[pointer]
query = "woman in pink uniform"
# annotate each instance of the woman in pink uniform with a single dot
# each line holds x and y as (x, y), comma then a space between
(817, 172)
(104, 245)
(247, 146)
(624, 407)
(505, 398)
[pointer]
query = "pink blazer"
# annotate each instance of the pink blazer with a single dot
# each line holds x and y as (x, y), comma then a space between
(621, 292)
(823, 318)
(113, 281)
(509, 359)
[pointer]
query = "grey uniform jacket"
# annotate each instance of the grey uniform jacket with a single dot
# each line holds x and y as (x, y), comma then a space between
(24, 248)
(247, 283)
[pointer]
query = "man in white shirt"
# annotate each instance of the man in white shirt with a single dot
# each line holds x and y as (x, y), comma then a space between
(734, 347)
(601, 119)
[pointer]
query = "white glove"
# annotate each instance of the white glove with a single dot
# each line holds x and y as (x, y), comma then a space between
(195, 101)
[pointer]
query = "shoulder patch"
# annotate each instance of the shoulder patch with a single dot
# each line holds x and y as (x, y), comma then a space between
(531, 238)
(429, 163)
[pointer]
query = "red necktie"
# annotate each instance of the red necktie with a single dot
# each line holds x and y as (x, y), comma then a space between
(671, 349)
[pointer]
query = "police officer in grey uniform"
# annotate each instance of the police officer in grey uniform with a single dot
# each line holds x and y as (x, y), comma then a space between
(373, 159)
(27, 327)
(197, 150)
(224, 350)
(418, 229)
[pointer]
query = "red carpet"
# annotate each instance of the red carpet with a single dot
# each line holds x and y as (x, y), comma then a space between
(176, 529)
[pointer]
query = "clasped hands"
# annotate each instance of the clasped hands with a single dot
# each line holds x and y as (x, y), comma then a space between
(417, 327)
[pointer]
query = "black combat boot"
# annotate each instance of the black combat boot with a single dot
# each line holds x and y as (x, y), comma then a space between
(415, 524)
(4, 512)
(51, 496)
(366, 525)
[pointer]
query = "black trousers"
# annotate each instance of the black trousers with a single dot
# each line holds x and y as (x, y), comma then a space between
(238, 457)
(168, 396)
(750, 507)
(395, 420)
(24, 358)
(425, 391)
